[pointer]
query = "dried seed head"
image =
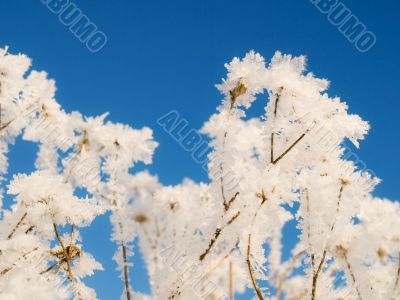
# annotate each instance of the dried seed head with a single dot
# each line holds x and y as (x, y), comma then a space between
(239, 90)
(344, 181)
(43, 111)
(381, 253)
(140, 218)
(84, 143)
(72, 252)
(261, 195)
(173, 205)
(342, 250)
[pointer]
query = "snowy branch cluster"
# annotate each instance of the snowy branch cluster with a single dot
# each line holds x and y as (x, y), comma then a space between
(291, 170)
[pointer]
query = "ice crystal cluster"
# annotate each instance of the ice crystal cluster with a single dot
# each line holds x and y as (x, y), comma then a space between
(291, 168)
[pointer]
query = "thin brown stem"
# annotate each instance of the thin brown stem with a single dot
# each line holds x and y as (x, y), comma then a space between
(318, 271)
(228, 204)
(5, 125)
(50, 268)
(125, 266)
(66, 254)
(126, 274)
(272, 147)
(239, 90)
(221, 169)
(338, 203)
(8, 269)
(264, 199)
(29, 230)
(250, 267)
(277, 98)
(17, 226)
(309, 227)
(217, 233)
(221, 166)
(316, 275)
(352, 275)
(71, 237)
(210, 244)
(290, 148)
(231, 290)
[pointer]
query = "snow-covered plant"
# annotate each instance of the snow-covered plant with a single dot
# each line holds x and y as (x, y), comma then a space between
(286, 212)
(82, 170)
(292, 170)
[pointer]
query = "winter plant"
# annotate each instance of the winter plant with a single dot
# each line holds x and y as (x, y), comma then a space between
(288, 173)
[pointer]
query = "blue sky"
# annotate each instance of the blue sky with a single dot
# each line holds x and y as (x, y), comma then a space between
(164, 55)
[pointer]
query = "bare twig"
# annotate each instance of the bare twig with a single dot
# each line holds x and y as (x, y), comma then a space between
(264, 199)
(51, 267)
(125, 266)
(231, 290)
(29, 230)
(228, 204)
(343, 182)
(277, 98)
(316, 273)
(315, 276)
(343, 253)
(309, 227)
(8, 269)
(217, 233)
(274, 160)
(250, 267)
(17, 226)
(210, 244)
(239, 90)
(126, 275)
(5, 125)
(290, 148)
(354, 280)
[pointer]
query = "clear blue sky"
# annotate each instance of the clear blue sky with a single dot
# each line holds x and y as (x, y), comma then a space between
(164, 55)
